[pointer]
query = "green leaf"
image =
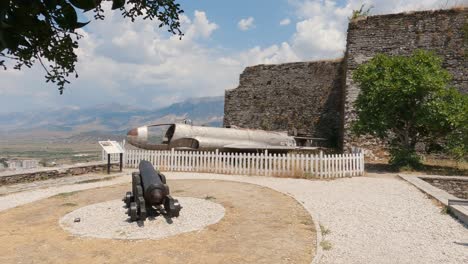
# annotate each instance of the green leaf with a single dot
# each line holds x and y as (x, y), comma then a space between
(50, 3)
(85, 4)
(9, 40)
(3, 44)
(116, 4)
(81, 24)
(69, 18)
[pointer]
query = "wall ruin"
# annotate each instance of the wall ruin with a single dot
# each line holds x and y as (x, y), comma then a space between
(306, 96)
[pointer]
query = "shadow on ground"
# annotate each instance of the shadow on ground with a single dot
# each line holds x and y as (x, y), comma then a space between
(426, 169)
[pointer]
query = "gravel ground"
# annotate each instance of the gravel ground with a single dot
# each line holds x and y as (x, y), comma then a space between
(113, 222)
(20, 198)
(371, 220)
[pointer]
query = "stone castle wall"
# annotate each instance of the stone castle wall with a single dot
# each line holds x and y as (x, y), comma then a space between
(318, 97)
(306, 96)
(444, 31)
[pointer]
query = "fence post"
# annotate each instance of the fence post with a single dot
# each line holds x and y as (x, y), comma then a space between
(217, 161)
(171, 160)
(361, 155)
(320, 167)
(124, 158)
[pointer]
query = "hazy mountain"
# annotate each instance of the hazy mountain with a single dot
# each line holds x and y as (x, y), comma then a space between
(110, 119)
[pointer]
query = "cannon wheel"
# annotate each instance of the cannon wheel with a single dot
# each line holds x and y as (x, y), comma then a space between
(176, 209)
(128, 199)
(163, 178)
(136, 181)
(142, 208)
(172, 206)
(133, 211)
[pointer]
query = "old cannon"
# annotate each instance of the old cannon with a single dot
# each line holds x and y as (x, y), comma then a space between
(149, 193)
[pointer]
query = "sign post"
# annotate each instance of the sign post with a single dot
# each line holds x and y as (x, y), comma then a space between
(112, 147)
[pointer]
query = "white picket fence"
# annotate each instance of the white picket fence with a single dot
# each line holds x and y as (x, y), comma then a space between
(268, 164)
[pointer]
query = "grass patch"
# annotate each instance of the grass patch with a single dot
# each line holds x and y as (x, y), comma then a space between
(430, 166)
(97, 180)
(65, 194)
(69, 204)
(209, 198)
(326, 245)
(445, 210)
(325, 231)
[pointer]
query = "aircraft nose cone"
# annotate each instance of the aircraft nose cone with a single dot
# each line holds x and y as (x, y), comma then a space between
(133, 132)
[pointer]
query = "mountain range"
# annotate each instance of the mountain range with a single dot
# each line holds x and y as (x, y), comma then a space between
(108, 120)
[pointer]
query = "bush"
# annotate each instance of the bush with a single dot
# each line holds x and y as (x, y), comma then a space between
(405, 158)
(406, 100)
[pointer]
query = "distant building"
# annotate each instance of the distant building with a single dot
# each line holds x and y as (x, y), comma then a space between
(22, 164)
(13, 164)
(30, 164)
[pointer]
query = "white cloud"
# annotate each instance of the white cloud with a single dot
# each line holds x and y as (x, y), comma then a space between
(201, 26)
(321, 33)
(138, 63)
(133, 63)
(285, 22)
(246, 23)
(270, 55)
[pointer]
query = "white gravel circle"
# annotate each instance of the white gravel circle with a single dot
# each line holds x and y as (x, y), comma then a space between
(109, 220)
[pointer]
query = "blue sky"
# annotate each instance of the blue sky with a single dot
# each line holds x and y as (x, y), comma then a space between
(266, 14)
(141, 65)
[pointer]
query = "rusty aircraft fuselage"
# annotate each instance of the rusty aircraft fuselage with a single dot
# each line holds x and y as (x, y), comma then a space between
(189, 137)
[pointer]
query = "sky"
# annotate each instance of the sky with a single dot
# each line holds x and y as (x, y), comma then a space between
(142, 65)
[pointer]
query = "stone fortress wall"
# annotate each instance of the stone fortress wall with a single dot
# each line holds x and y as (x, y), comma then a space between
(306, 96)
(444, 32)
(317, 97)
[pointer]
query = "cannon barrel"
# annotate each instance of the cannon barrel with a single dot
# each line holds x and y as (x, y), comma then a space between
(154, 189)
(149, 194)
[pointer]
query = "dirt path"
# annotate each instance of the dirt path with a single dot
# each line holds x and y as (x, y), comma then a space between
(260, 226)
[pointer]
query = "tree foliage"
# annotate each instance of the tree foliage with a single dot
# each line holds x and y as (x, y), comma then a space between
(45, 30)
(405, 100)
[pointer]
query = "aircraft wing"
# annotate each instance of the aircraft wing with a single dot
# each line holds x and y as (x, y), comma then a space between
(264, 147)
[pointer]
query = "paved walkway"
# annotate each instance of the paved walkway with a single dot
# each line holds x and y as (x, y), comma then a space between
(372, 220)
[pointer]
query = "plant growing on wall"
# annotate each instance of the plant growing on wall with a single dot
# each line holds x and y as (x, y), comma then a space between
(405, 100)
(361, 12)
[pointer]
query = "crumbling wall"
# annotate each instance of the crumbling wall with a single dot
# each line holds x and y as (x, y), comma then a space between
(306, 96)
(40, 174)
(444, 31)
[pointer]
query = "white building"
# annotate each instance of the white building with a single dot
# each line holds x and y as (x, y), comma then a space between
(13, 164)
(22, 164)
(30, 164)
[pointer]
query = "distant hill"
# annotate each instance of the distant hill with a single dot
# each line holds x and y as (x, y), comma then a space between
(111, 120)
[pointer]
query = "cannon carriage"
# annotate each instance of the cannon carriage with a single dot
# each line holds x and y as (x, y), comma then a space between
(150, 195)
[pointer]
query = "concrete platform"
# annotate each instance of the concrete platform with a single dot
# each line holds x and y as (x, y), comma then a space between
(458, 207)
